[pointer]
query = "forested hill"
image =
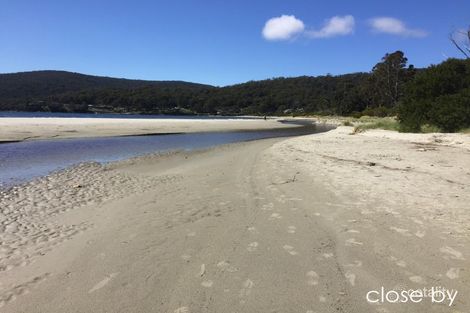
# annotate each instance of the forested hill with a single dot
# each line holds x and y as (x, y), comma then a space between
(73, 92)
(305, 94)
(35, 84)
(438, 95)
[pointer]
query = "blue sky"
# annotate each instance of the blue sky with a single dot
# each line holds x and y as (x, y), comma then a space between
(223, 42)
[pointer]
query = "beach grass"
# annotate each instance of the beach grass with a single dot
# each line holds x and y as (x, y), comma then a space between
(426, 128)
(365, 123)
(368, 122)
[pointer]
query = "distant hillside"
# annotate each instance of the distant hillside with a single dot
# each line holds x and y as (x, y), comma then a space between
(296, 95)
(437, 96)
(46, 83)
(60, 91)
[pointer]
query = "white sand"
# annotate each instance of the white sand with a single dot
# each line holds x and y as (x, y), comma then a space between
(308, 224)
(17, 129)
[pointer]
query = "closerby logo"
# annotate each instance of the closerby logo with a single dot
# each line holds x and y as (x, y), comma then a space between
(439, 295)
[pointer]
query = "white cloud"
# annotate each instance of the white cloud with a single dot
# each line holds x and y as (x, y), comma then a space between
(282, 28)
(335, 26)
(393, 26)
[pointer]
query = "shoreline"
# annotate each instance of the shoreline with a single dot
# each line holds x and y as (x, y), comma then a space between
(41, 157)
(316, 220)
(16, 129)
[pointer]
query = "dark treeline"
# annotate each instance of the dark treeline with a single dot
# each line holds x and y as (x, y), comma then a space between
(438, 95)
(325, 94)
(44, 83)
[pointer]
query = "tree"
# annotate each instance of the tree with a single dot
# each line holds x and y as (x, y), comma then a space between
(461, 40)
(439, 96)
(388, 79)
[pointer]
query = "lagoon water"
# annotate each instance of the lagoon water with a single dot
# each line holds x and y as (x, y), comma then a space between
(22, 161)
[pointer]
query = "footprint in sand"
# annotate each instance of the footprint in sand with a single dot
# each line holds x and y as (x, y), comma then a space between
(417, 279)
(246, 288)
(226, 267)
(451, 253)
(401, 231)
(202, 270)
(351, 277)
(352, 242)
(312, 278)
(290, 250)
(272, 188)
(103, 283)
(420, 233)
(356, 263)
(453, 273)
(390, 211)
(186, 257)
(207, 283)
(327, 255)
(8, 296)
(252, 230)
(267, 207)
(291, 229)
(252, 246)
(401, 263)
(275, 216)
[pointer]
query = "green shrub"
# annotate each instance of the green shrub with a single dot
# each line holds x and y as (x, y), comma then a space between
(356, 114)
(381, 111)
(451, 112)
(439, 97)
(426, 128)
(411, 115)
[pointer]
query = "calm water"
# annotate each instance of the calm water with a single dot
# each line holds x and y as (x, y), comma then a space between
(22, 161)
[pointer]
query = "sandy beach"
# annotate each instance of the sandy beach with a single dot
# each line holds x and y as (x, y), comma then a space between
(304, 224)
(19, 129)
